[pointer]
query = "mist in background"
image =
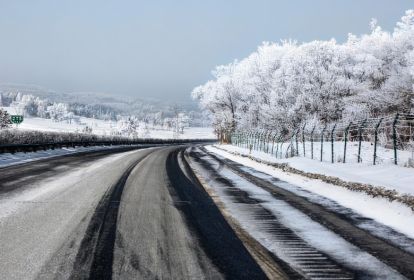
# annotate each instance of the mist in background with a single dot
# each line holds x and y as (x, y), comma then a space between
(161, 49)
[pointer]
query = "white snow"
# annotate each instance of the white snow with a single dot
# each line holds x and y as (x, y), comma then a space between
(10, 203)
(103, 127)
(8, 159)
(389, 175)
(313, 233)
(366, 157)
(392, 214)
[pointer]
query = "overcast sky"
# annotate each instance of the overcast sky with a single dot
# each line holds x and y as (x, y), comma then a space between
(157, 48)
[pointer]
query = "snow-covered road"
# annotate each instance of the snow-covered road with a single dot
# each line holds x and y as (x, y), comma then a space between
(130, 215)
(42, 210)
(307, 232)
(143, 214)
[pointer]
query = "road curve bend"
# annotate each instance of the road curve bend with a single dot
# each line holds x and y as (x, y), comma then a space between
(133, 215)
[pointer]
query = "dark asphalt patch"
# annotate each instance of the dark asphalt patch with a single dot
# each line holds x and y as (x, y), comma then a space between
(215, 235)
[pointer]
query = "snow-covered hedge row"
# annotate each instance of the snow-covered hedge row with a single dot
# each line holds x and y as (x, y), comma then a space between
(29, 137)
(374, 191)
(15, 136)
(283, 85)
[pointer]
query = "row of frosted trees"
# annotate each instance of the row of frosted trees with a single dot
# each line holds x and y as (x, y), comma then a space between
(283, 87)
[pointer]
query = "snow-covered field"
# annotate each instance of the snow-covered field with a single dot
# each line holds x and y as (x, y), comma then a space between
(392, 214)
(102, 127)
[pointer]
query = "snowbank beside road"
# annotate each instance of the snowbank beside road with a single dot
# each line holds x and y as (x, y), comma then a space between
(245, 204)
(390, 213)
(389, 176)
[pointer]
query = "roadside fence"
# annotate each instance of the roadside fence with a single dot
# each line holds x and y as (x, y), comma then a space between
(388, 139)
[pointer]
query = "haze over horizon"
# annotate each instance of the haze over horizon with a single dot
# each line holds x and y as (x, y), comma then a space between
(160, 49)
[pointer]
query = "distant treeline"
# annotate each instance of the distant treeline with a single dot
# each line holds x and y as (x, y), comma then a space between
(35, 106)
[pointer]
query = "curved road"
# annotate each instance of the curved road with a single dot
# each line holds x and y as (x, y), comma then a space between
(106, 215)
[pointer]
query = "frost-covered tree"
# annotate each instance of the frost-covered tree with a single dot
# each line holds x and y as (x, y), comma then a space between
(57, 111)
(129, 126)
(5, 121)
(29, 105)
(282, 85)
(222, 98)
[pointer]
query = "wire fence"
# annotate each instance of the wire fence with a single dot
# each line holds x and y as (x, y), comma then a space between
(388, 139)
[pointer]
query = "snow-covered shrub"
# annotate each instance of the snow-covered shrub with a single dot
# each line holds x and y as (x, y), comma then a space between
(87, 129)
(4, 119)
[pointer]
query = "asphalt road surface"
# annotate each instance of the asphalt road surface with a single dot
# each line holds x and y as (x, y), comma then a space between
(143, 214)
(107, 215)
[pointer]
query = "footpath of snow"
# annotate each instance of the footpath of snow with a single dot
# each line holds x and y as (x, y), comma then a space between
(313, 233)
(392, 214)
(385, 175)
(8, 159)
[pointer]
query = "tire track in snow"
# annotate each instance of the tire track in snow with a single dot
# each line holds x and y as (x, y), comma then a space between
(389, 254)
(95, 256)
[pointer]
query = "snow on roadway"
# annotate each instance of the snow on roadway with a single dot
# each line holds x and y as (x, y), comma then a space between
(391, 214)
(313, 233)
(37, 220)
(10, 203)
(8, 159)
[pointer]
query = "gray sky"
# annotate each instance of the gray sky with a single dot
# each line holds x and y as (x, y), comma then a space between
(161, 48)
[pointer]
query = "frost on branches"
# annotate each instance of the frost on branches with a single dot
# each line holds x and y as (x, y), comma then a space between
(280, 86)
(4, 119)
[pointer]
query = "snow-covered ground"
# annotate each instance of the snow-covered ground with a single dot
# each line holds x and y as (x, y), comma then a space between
(392, 214)
(383, 155)
(318, 236)
(386, 175)
(103, 127)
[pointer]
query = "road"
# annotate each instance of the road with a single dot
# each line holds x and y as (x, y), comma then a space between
(308, 234)
(177, 212)
(130, 215)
